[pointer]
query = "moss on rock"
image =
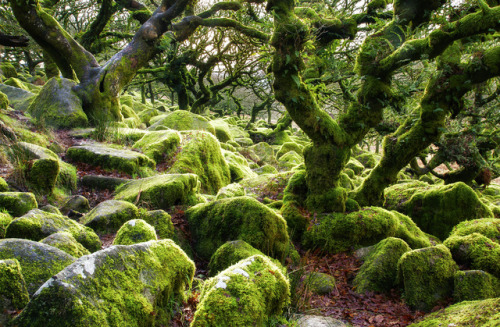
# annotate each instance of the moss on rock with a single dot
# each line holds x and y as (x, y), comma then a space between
(410, 233)
(14, 295)
(368, 159)
(159, 145)
(4, 101)
(66, 242)
(379, 270)
(476, 251)
(245, 294)
(289, 160)
(135, 231)
(238, 166)
(162, 223)
(126, 161)
(489, 227)
(319, 283)
(264, 152)
(427, 276)
(287, 147)
(475, 285)
(222, 130)
(17, 203)
(242, 218)
(181, 120)
(110, 215)
(201, 155)
(229, 254)
(37, 224)
(5, 220)
(484, 313)
(119, 286)
(38, 261)
(230, 191)
(161, 192)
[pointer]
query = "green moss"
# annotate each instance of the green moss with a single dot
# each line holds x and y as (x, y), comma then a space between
(135, 231)
(5, 220)
(476, 251)
(65, 241)
(8, 69)
(319, 283)
(484, 313)
(126, 161)
(398, 194)
(38, 261)
(231, 191)
(289, 146)
(132, 285)
(201, 155)
(14, 295)
(4, 101)
(355, 165)
(238, 166)
(409, 231)
(161, 221)
(222, 130)
(161, 192)
(182, 120)
(37, 224)
(243, 218)
(439, 208)
(160, 145)
(266, 169)
(110, 215)
(489, 227)
(17, 203)
(368, 159)
(475, 285)
(379, 270)
(427, 276)
(42, 176)
(245, 294)
(289, 160)
(16, 82)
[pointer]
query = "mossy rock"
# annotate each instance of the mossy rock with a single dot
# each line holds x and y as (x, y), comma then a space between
(397, 195)
(135, 231)
(38, 261)
(159, 145)
(8, 70)
(16, 82)
(238, 166)
(319, 283)
(229, 254)
(57, 105)
(51, 209)
(355, 165)
(411, 233)
(265, 152)
(473, 285)
(245, 294)
(121, 286)
(266, 169)
(230, 191)
(37, 224)
(147, 114)
(14, 296)
(368, 159)
(287, 147)
(17, 203)
(242, 218)
(162, 223)
(4, 101)
(76, 203)
(289, 160)
(426, 276)
(19, 99)
(379, 270)
(182, 120)
(123, 160)
(484, 313)
(201, 155)
(66, 242)
(222, 130)
(243, 141)
(439, 208)
(489, 227)
(161, 192)
(110, 215)
(5, 220)
(476, 251)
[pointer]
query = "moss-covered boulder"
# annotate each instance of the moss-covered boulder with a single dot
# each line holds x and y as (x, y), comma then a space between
(368, 159)
(229, 254)
(339, 232)
(245, 294)
(162, 191)
(489, 227)
(161, 221)
(38, 261)
(135, 231)
(19, 99)
(355, 165)
(230, 191)
(222, 130)
(181, 120)
(8, 70)
(475, 285)
(238, 166)
(319, 283)
(120, 286)
(475, 251)
(17, 203)
(265, 153)
(5, 220)
(379, 270)
(127, 161)
(438, 208)
(289, 146)
(66, 242)
(201, 155)
(16, 82)
(265, 170)
(289, 160)
(240, 218)
(426, 276)
(159, 145)
(76, 203)
(57, 105)
(484, 313)
(4, 101)
(37, 224)
(110, 215)
(14, 295)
